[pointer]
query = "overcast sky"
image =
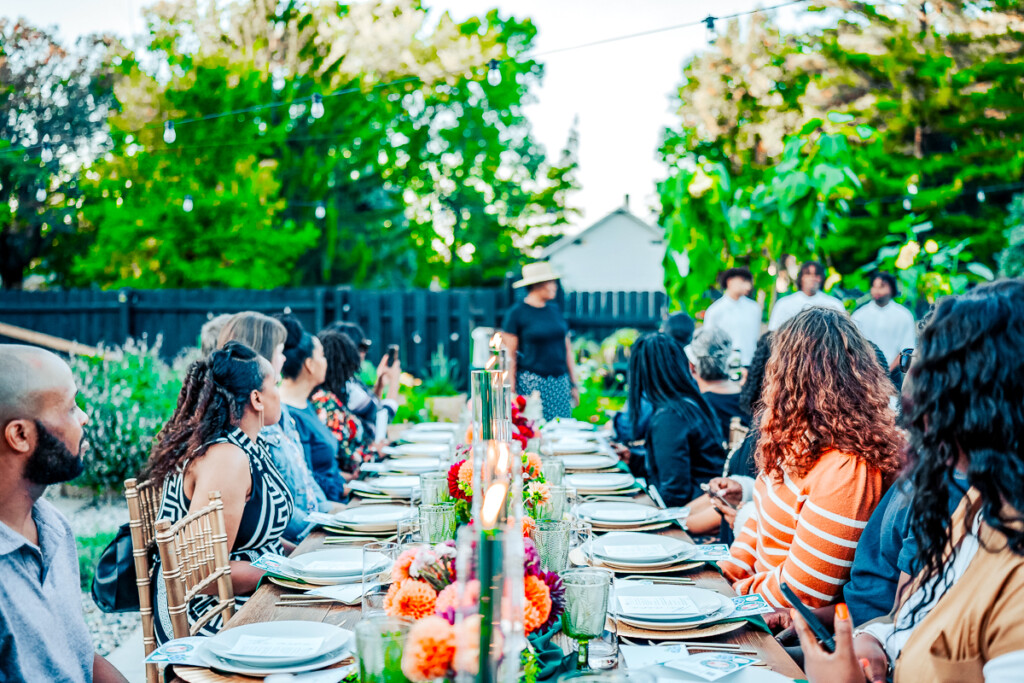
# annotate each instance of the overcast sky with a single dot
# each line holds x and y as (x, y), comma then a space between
(620, 91)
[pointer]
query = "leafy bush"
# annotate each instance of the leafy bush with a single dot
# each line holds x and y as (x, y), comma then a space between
(128, 394)
(1011, 259)
(444, 375)
(89, 550)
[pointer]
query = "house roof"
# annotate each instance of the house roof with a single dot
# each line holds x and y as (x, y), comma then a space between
(569, 240)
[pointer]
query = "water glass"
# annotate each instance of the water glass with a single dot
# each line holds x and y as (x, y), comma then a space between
(552, 541)
(555, 507)
(437, 523)
(581, 539)
(408, 531)
(587, 593)
(378, 557)
(604, 649)
(380, 641)
(434, 488)
(553, 469)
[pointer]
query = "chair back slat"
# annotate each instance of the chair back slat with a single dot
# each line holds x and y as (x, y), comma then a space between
(194, 555)
(143, 507)
(737, 433)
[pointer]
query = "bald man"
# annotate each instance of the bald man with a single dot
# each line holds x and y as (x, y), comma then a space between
(43, 636)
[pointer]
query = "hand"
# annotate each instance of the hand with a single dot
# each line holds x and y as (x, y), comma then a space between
(728, 513)
(395, 371)
(382, 369)
(574, 395)
(729, 489)
(778, 620)
(872, 657)
(820, 665)
(622, 451)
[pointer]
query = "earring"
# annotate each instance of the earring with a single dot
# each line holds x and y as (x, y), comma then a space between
(261, 419)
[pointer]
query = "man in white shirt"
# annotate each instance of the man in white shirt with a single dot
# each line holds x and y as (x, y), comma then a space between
(883, 321)
(736, 313)
(808, 282)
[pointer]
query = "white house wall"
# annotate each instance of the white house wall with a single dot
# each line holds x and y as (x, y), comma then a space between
(617, 256)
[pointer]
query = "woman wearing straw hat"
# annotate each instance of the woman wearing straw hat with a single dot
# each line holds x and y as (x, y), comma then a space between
(537, 338)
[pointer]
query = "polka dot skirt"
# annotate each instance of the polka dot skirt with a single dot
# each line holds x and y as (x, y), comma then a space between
(555, 392)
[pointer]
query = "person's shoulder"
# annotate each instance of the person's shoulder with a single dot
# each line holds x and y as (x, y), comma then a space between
(224, 455)
(904, 312)
(47, 513)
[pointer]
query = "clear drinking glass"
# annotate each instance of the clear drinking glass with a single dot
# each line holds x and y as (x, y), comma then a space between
(434, 488)
(437, 523)
(378, 557)
(553, 469)
(555, 508)
(587, 593)
(552, 541)
(380, 641)
(581, 539)
(408, 531)
(604, 649)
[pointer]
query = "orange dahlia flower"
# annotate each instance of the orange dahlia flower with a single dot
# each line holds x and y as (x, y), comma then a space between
(428, 650)
(414, 599)
(532, 466)
(538, 603)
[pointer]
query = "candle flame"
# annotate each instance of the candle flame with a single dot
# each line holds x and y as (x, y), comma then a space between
(494, 499)
(496, 341)
(504, 460)
(491, 363)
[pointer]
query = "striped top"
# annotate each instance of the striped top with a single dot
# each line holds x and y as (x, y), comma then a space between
(804, 531)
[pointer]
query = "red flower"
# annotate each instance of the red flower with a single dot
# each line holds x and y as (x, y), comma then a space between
(521, 402)
(453, 482)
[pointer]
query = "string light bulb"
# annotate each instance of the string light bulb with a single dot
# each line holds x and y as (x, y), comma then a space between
(907, 205)
(41, 195)
(321, 211)
(494, 73)
(186, 205)
(46, 154)
(912, 189)
(981, 196)
(316, 109)
(710, 33)
(169, 134)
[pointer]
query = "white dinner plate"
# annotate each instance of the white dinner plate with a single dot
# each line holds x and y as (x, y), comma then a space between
(405, 450)
(331, 638)
(710, 606)
(450, 427)
(616, 514)
(600, 481)
(374, 517)
(425, 436)
(569, 423)
(631, 548)
(333, 563)
(220, 664)
(589, 461)
(414, 465)
(399, 485)
(572, 447)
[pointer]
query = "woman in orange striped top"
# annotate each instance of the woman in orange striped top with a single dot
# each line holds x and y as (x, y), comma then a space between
(827, 451)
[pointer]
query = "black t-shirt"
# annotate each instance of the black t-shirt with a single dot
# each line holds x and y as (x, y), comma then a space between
(541, 334)
(726, 407)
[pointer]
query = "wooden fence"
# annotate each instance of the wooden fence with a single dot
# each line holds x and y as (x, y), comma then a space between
(418, 320)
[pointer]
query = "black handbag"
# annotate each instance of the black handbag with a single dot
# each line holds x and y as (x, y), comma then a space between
(113, 584)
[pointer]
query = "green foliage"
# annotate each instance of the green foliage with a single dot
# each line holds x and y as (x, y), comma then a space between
(443, 379)
(89, 550)
(1011, 259)
(128, 394)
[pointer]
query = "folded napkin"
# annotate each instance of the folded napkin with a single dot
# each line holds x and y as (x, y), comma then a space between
(551, 661)
(349, 594)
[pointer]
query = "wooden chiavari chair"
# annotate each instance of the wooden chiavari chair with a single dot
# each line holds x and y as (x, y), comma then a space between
(737, 433)
(194, 556)
(143, 509)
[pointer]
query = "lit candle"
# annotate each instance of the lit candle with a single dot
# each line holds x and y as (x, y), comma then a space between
(494, 501)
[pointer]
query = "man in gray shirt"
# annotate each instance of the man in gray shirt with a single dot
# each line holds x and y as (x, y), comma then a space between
(43, 636)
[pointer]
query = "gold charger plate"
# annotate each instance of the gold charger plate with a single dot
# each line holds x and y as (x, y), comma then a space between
(369, 535)
(577, 557)
(195, 674)
(654, 526)
(706, 632)
(288, 583)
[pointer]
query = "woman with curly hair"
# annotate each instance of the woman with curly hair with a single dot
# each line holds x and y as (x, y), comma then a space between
(212, 443)
(331, 397)
(828, 444)
(959, 618)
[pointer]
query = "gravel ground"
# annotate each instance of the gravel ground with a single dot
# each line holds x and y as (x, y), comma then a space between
(87, 518)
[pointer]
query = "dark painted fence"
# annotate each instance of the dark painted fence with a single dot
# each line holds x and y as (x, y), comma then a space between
(418, 320)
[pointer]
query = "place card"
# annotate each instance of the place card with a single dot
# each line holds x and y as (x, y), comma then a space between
(186, 651)
(635, 552)
(662, 605)
(641, 656)
(712, 665)
(712, 553)
(349, 594)
(746, 605)
(262, 646)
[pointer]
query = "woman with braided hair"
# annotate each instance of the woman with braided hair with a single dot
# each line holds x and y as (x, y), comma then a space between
(212, 443)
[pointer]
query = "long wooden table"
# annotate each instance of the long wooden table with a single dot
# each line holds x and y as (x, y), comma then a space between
(262, 607)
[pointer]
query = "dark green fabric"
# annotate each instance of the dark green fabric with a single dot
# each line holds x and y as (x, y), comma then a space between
(552, 661)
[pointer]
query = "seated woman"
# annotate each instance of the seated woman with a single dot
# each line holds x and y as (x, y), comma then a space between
(266, 336)
(959, 618)
(684, 441)
(331, 398)
(828, 442)
(709, 354)
(304, 370)
(212, 443)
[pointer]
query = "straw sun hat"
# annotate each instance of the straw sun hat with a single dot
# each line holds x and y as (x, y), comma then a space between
(536, 272)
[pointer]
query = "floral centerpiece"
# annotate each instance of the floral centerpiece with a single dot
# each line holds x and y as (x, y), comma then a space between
(535, 488)
(424, 590)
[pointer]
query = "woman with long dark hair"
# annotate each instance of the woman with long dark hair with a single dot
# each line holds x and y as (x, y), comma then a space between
(959, 619)
(827, 447)
(331, 398)
(212, 443)
(684, 440)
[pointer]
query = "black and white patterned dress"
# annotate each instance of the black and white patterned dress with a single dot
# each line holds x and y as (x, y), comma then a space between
(264, 519)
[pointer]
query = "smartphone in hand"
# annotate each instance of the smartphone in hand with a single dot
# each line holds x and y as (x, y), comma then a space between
(717, 494)
(392, 354)
(819, 630)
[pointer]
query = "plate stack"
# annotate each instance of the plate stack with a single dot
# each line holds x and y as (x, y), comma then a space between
(603, 483)
(589, 462)
(638, 553)
(430, 432)
(413, 465)
(330, 567)
(369, 520)
(665, 607)
(277, 647)
(387, 486)
(624, 516)
(421, 450)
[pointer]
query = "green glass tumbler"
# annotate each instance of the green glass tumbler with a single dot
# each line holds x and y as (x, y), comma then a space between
(380, 641)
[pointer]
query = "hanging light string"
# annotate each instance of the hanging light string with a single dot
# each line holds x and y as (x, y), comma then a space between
(493, 75)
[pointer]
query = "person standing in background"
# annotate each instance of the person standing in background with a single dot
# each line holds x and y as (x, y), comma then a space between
(883, 321)
(736, 313)
(537, 338)
(808, 282)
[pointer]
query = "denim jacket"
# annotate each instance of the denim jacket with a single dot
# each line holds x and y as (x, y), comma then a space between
(285, 448)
